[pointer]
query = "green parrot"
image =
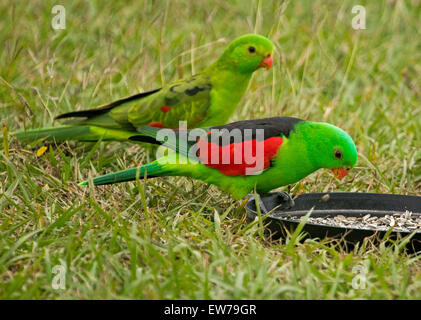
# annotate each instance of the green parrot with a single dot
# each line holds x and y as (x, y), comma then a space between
(205, 99)
(270, 153)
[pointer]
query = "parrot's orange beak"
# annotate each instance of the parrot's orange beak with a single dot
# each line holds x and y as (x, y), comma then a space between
(340, 172)
(266, 62)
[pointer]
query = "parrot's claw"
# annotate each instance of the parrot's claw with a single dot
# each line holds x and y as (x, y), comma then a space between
(286, 201)
(251, 197)
(283, 200)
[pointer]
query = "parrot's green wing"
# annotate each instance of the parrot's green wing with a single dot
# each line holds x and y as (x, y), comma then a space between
(186, 99)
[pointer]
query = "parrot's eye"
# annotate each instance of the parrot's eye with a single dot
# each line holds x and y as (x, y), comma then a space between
(338, 154)
(252, 49)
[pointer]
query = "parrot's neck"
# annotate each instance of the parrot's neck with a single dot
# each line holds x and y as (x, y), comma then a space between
(232, 83)
(228, 87)
(294, 161)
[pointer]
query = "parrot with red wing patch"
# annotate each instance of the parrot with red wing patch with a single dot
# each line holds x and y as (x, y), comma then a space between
(206, 99)
(270, 153)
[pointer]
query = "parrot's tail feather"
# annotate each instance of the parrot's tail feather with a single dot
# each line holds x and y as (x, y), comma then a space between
(105, 108)
(79, 133)
(53, 133)
(151, 170)
(142, 138)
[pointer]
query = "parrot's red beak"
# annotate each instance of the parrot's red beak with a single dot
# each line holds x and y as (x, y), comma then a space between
(340, 172)
(267, 62)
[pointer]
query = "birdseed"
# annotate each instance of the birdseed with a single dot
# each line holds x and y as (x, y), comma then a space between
(400, 222)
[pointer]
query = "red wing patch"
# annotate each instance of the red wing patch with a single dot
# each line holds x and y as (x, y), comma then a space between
(156, 124)
(165, 109)
(239, 159)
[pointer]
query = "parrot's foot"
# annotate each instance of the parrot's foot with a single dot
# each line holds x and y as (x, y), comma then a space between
(251, 197)
(285, 200)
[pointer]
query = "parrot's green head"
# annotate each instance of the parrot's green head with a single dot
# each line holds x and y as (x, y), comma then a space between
(248, 53)
(329, 147)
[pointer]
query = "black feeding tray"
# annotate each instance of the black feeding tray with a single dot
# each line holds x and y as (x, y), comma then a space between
(334, 204)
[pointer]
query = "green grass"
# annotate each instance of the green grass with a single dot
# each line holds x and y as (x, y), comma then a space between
(176, 237)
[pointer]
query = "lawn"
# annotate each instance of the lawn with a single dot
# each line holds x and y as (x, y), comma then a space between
(177, 238)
